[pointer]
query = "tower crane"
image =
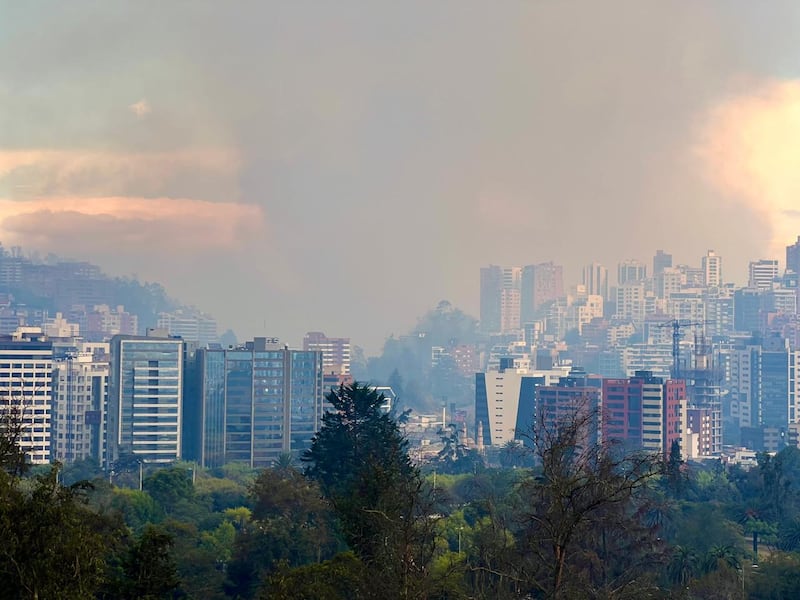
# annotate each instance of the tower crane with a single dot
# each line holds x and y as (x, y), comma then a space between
(677, 333)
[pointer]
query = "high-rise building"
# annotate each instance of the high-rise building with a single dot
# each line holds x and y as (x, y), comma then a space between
(335, 351)
(80, 394)
(643, 411)
(504, 400)
(661, 261)
(192, 326)
(26, 369)
(500, 304)
(762, 273)
(576, 395)
(712, 269)
(541, 284)
(145, 393)
(631, 271)
(793, 256)
(491, 291)
(747, 309)
(103, 322)
(669, 281)
(252, 403)
(595, 278)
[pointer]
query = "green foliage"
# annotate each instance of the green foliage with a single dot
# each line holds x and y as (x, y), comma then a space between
(168, 487)
(149, 570)
(776, 578)
(290, 525)
(383, 505)
(53, 545)
(455, 456)
(343, 577)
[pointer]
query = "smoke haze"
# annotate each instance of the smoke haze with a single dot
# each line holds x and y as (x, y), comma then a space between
(344, 166)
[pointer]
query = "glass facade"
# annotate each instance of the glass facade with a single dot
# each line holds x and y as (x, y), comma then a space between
(146, 384)
(258, 403)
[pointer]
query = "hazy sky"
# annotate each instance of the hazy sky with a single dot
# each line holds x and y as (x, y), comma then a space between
(345, 165)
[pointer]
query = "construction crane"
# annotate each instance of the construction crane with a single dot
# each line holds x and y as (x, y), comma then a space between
(677, 326)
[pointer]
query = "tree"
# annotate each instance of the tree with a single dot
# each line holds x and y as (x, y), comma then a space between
(582, 525)
(292, 525)
(12, 427)
(343, 577)
(674, 476)
(168, 487)
(53, 545)
(359, 457)
(455, 457)
(148, 568)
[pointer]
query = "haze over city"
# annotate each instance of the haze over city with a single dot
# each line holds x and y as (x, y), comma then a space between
(345, 166)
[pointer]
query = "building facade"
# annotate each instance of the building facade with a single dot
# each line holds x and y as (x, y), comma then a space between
(253, 403)
(145, 398)
(26, 369)
(80, 396)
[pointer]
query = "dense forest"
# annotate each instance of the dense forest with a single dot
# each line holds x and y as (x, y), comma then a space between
(557, 517)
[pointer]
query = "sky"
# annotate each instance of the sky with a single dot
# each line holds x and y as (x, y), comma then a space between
(344, 166)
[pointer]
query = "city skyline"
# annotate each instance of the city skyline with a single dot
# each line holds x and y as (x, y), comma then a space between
(334, 152)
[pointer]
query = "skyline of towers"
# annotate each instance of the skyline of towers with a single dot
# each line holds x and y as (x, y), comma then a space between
(510, 297)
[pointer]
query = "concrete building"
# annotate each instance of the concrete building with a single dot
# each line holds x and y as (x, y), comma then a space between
(252, 403)
(103, 322)
(80, 398)
(631, 271)
(145, 398)
(192, 326)
(712, 269)
(541, 284)
(335, 351)
(504, 399)
(643, 411)
(669, 281)
(661, 261)
(26, 369)
(595, 278)
(59, 327)
(762, 273)
(500, 298)
(793, 256)
(576, 395)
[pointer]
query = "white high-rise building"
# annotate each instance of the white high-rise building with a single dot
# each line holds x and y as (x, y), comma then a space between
(762, 273)
(712, 269)
(190, 325)
(26, 370)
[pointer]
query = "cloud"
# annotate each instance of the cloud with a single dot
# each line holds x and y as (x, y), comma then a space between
(207, 173)
(750, 151)
(130, 225)
(141, 108)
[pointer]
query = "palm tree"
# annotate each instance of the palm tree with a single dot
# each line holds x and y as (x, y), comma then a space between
(720, 555)
(682, 566)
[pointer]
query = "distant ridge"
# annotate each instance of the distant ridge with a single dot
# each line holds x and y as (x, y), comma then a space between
(53, 284)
